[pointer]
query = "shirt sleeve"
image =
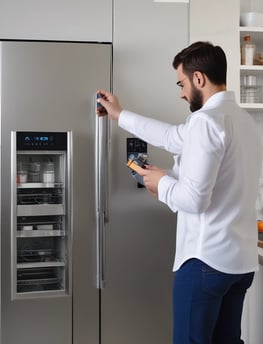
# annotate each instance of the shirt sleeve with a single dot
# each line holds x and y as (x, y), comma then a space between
(200, 161)
(155, 132)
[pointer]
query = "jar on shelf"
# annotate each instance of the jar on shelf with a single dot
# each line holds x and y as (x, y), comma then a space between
(250, 92)
(49, 172)
(247, 51)
(34, 171)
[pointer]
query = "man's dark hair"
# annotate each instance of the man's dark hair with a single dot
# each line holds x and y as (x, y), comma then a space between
(205, 58)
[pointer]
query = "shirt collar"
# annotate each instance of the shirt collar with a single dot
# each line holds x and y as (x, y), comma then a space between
(218, 98)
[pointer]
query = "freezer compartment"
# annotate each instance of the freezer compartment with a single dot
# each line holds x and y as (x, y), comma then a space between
(40, 279)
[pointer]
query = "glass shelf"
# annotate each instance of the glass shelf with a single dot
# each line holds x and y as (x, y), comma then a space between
(39, 265)
(40, 233)
(39, 185)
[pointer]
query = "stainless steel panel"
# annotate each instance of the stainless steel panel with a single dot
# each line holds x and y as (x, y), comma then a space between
(141, 231)
(50, 86)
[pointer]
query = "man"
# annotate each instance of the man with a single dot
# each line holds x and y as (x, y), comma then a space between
(213, 189)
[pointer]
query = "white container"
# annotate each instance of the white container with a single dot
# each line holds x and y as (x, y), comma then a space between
(251, 19)
(247, 51)
(49, 172)
(48, 177)
(22, 177)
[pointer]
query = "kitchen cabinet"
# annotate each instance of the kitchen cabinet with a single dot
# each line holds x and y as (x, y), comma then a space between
(76, 20)
(253, 314)
(251, 96)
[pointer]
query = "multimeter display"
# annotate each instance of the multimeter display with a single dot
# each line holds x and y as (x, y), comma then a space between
(135, 147)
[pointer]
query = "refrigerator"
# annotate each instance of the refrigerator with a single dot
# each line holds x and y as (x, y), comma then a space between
(86, 254)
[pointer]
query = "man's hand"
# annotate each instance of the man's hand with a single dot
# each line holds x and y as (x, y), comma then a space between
(111, 103)
(151, 177)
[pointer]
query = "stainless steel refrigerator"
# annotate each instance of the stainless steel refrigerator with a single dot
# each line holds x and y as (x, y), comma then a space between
(86, 254)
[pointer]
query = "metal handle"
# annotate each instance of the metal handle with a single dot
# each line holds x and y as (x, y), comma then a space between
(101, 163)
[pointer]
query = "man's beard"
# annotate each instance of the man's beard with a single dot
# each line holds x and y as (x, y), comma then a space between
(196, 100)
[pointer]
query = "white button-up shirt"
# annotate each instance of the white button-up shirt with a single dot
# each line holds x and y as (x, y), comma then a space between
(215, 184)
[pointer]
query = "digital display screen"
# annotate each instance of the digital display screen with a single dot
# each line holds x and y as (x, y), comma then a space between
(41, 141)
(38, 138)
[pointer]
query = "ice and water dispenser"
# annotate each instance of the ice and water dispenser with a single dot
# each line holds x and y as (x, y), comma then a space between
(41, 213)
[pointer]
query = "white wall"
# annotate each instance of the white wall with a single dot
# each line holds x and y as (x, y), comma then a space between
(218, 22)
(251, 6)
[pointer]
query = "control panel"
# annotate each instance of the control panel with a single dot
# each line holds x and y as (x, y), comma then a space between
(41, 141)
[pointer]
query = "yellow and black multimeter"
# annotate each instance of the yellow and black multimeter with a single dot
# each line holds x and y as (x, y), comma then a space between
(137, 158)
(137, 164)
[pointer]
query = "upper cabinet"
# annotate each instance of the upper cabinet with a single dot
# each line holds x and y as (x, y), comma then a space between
(251, 71)
(76, 20)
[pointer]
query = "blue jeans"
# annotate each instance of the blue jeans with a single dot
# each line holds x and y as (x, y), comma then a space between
(208, 304)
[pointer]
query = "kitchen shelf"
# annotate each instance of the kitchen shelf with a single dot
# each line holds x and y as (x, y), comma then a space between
(254, 32)
(251, 69)
(251, 28)
(252, 106)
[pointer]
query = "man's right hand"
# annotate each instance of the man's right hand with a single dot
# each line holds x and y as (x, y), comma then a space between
(111, 103)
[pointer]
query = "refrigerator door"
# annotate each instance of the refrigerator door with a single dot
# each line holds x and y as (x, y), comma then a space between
(137, 300)
(50, 86)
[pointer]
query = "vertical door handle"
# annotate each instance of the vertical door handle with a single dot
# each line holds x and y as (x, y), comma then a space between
(101, 172)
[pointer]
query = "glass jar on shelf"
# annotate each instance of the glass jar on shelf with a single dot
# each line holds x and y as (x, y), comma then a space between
(247, 51)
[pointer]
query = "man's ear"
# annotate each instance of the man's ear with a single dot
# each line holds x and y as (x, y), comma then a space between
(199, 79)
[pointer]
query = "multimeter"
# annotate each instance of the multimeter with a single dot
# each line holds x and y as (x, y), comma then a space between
(137, 158)
(137, 164)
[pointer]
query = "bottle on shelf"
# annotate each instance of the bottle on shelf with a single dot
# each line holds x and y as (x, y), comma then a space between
(247, 51)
